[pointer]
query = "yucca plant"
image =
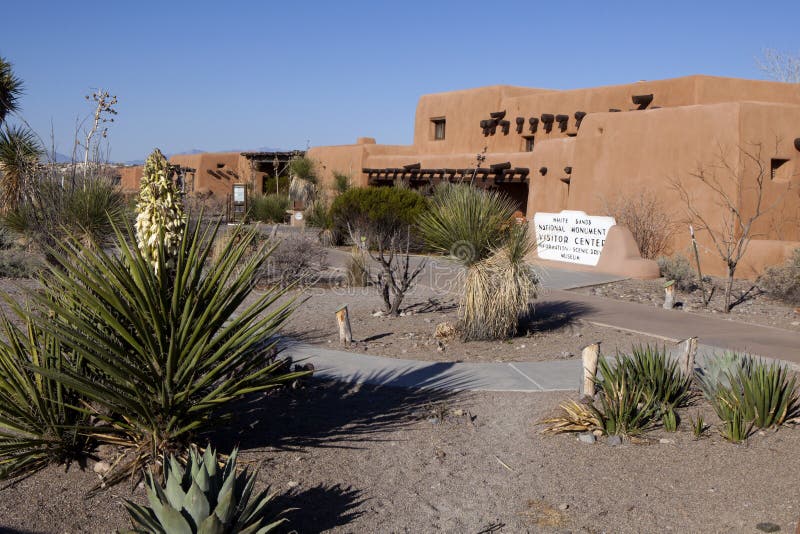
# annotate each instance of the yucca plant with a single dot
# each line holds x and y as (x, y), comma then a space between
(201, 498)
(769, 396)
(475, 228)
(652, 368)
(39, 421)
(168, 349)
(626, 407)
(670, 420)
(727, 404)
(698, 425)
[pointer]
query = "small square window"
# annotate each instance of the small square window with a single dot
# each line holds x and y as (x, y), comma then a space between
(438, 129)
(778, 170)
(528, 143)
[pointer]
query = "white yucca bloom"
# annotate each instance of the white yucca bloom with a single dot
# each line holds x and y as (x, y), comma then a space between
(159, 210)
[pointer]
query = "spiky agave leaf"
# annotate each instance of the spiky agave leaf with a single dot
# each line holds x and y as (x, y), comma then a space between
(201, 498)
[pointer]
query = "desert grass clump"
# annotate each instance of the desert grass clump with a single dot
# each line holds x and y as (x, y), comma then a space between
(475, 228)
(358, 273)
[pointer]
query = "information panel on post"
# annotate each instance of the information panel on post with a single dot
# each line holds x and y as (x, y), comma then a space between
(571, 236)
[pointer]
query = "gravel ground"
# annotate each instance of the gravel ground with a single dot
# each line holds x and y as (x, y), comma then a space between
(386, 460)
(757, 308)
(555, 331)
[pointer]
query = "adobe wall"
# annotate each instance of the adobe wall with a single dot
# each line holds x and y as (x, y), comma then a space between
(216, 172)
(690, 122)
(130, 177)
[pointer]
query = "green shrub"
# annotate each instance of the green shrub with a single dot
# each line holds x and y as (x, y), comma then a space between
(783, 282)
(202, 498)
(167, 350)
(268, 208)
(318, 215)
(678, 268)
(40, 422)
(377, 212)
(282, 189)
(341, 182)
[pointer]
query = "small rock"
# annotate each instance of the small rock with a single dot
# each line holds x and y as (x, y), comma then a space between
(566, 354)
(440, 346)
(378, 313)
(101, 468)
(586, 437)
(578, 334)
(795, 323)
(563, 506)
(433, 420)
(292, 484)
(768, 527)
(522, 346)
(665, 441)
(613, 441)
(458, 413)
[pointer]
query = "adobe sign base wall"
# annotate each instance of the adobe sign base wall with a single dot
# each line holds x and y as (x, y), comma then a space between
(620, 256)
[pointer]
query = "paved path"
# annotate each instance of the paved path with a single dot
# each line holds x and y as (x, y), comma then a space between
(715, 335)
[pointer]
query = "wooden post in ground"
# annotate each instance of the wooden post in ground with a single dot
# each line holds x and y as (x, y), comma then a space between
(590, 354)
(669, 295)
(343, 320)
(687, 358)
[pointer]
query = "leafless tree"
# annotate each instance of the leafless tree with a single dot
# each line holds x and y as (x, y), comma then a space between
(779, 66)
(396, 275)
(103, 113)
(729, 224)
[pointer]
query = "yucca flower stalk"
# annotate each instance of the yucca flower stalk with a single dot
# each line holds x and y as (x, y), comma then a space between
(161, 217)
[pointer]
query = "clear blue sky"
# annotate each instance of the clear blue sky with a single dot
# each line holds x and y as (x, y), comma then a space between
(228, 75)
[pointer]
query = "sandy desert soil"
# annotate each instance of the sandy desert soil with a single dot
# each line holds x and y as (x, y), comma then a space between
(756, 308)
(555, 331)
(385, 460)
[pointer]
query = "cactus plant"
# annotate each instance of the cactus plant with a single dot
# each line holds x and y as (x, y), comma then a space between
(202, 498)
(160, 218)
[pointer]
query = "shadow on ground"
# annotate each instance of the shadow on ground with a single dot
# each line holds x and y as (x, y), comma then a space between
(553, 314)
(321, 508)
(328, 413)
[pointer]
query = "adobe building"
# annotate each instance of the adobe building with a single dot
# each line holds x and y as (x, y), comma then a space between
(585, 149)
(212, 174)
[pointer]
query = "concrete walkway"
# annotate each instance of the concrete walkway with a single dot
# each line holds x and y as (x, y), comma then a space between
(716, 335)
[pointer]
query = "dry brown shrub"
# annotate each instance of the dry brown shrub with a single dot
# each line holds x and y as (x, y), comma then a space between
(645, 216)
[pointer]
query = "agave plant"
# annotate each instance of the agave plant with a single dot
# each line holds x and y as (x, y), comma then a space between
(167, 354)
(39, 423)
(201, 498)
(768, 393)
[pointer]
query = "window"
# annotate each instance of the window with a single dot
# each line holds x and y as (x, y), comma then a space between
(438, 129)
(528, 143)
(778, 170)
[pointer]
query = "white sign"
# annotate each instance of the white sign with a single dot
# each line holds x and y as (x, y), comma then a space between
(238, 194)
(571, 236)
